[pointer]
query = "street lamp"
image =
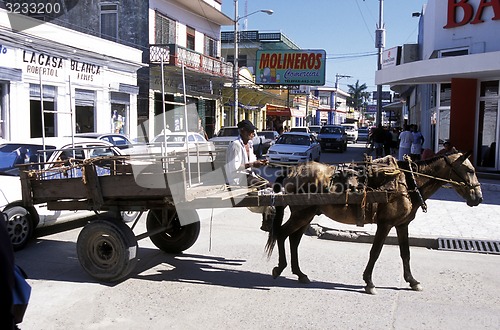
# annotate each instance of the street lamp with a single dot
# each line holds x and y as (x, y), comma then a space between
(380, 44)
(235, 68)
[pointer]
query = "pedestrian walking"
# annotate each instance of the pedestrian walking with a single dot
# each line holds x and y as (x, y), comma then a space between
(405, 141)
(379, 138)
(416, 145)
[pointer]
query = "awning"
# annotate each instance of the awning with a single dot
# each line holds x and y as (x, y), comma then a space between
(441, 70)
(279, 111)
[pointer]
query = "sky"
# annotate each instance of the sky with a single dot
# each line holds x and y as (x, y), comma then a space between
(345, 29)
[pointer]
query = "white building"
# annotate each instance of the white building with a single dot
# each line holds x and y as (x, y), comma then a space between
(452, 88)
(84, 80)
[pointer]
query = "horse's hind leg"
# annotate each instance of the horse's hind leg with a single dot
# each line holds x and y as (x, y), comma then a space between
(378, 243)
(280, 241)
(294, 254)
(404, 251)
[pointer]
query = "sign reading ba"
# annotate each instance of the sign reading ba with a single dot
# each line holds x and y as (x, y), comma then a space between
(291, 67)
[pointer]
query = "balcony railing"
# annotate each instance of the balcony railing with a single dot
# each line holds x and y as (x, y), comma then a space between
(176, 55)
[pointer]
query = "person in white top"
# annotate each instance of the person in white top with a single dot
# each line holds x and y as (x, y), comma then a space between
(240, 157)
(405, 141)
(418, 141)
(240, 161)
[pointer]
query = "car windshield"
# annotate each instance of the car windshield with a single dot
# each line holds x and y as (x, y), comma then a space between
(314, 129)
(171, 138)
(294, 139)
(229, 132)
(331, 130)
(268, 135)
(12, 154)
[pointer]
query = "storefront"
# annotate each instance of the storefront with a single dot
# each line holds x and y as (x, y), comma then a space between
(55, 82)
(452, 92)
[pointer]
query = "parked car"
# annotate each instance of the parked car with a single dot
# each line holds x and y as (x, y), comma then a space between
(268, 138)
(333, 137)
(352, 132)
(303, 129)
(118, 140)
(363, 133)
(293, 148)
(314, 129)
(22, 221)
(200, 150)
(226, 135)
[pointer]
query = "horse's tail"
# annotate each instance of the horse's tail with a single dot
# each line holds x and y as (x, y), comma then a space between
(273, 234)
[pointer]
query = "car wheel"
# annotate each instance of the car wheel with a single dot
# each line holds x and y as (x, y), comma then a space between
(20, 226)
(130, 216)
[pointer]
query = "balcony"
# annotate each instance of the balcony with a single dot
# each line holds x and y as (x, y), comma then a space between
(276, 39)
(175, 55)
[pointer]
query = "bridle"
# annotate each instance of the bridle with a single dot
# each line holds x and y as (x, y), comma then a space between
(453, 169)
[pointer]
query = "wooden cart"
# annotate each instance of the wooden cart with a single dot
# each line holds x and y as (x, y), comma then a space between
(107, 247)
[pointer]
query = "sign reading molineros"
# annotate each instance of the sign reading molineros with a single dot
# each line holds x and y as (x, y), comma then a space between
(290, 67)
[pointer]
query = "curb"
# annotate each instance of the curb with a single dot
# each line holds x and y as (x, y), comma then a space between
(365, 237)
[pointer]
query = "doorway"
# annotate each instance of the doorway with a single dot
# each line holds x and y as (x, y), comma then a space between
(487, 148)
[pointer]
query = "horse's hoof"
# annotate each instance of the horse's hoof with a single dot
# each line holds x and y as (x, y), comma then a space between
(304, 279)
(417, 287)
(370, 290)
(276, 272)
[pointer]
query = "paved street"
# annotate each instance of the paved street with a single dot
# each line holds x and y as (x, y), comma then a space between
(224, 280)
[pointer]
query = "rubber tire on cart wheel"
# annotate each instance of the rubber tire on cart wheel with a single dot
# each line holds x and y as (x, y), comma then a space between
(176, 238)
(107, 249)
(20, 226)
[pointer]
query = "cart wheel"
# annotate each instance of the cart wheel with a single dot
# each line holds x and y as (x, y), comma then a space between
(176, 238)
(107, 249)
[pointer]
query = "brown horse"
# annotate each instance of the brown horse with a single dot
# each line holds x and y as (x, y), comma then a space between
(409, 184)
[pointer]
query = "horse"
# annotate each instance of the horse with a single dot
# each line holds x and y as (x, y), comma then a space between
(409, 184)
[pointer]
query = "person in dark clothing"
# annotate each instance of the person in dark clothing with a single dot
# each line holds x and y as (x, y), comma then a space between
(379, 140)
(6, 277)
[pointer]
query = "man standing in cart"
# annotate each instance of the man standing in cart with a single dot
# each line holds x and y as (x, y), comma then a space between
(240, 164)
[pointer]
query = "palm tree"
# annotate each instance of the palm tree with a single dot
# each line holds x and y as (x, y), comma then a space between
(358, 96)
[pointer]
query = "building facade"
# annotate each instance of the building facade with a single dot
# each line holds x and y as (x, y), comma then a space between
(182, 37)
(55, 81)
(452, 88)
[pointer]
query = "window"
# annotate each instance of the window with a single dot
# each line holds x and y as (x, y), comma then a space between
(324, 100)
(210, 47)
(190, 38)
(109, 21)
(164, 29)
(242, 60)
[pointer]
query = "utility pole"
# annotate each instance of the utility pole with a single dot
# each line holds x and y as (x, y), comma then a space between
(236, 72)
(337, 78)
(380, 44)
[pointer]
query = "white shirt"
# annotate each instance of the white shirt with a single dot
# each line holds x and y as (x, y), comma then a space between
(405, 139)
(236, 158)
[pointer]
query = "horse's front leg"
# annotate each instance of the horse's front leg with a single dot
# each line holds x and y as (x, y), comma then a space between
(378, 243)
(294, 254)
(404, 251)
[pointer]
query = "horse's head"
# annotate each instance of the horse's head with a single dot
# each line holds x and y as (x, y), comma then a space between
(464, 179)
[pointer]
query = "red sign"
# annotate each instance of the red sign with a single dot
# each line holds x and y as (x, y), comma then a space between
(468, 14)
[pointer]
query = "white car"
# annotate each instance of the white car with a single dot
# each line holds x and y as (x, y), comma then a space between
(22, 221)
(293, 148)
(352, 132)
(227, 134)
(174, 143)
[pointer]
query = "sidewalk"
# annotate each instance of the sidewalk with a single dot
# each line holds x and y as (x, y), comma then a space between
(448, 216)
